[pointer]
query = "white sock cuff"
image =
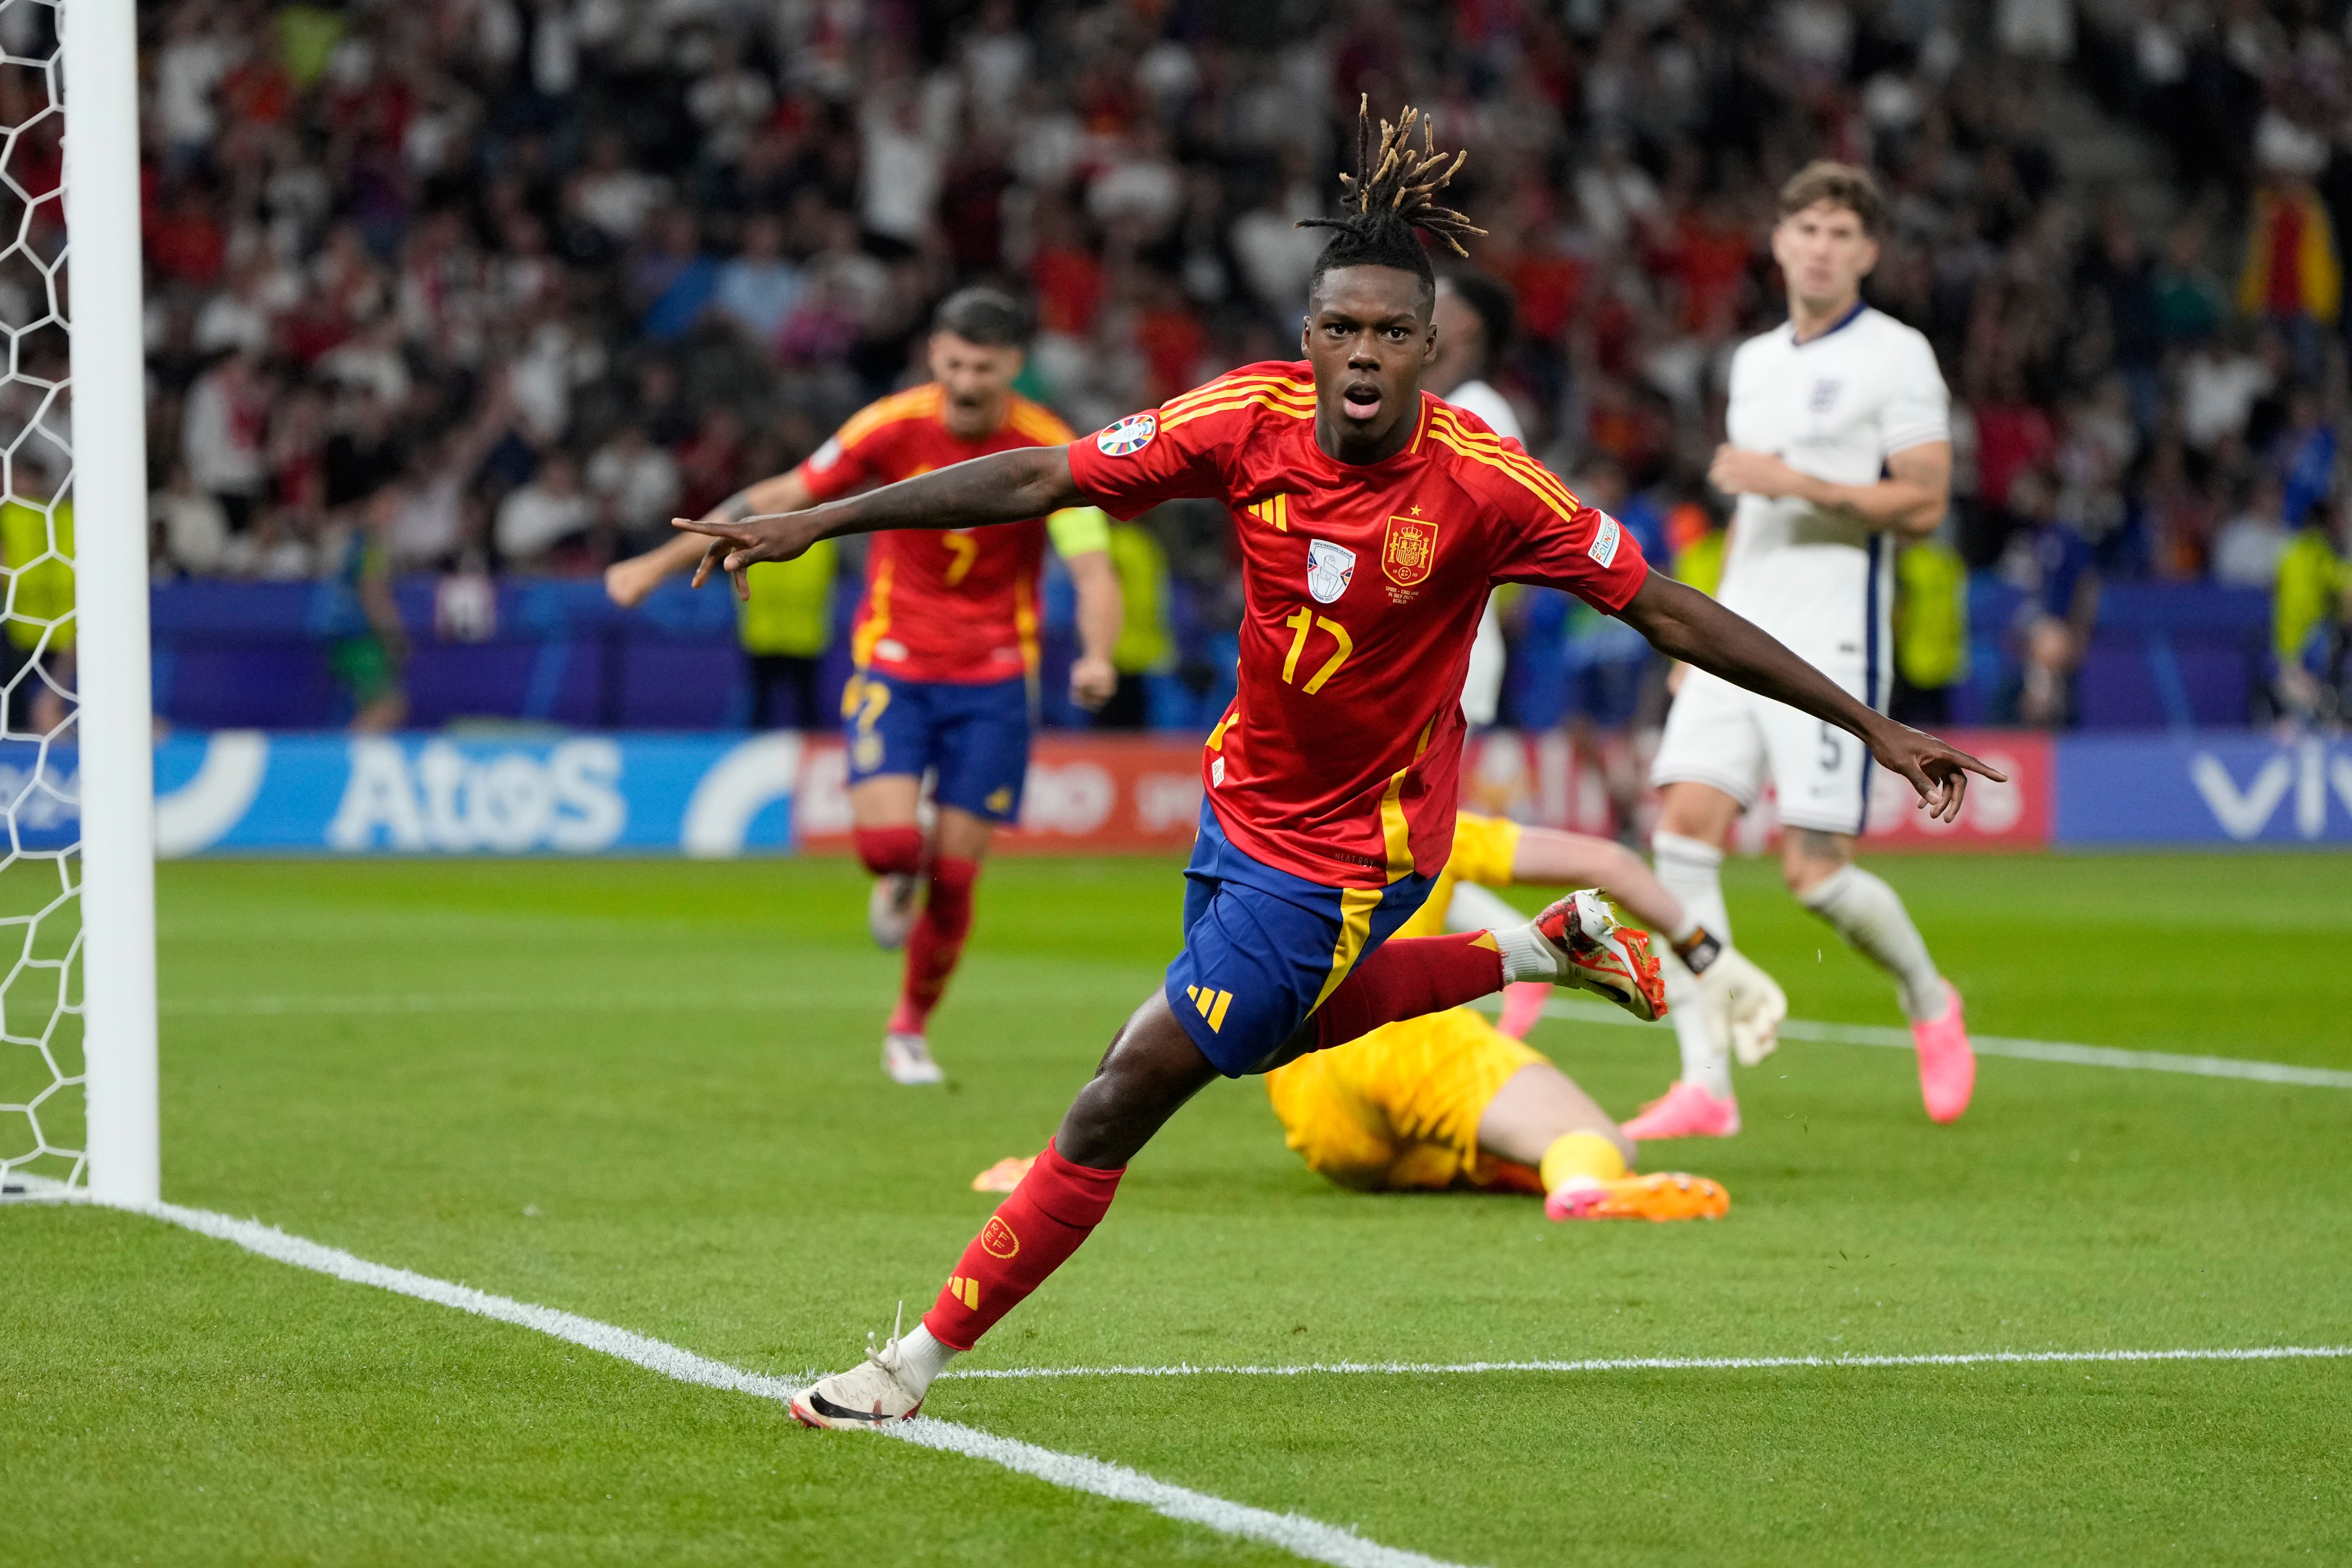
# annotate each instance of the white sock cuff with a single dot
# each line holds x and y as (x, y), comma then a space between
(921, 1358)
(1690, 851)
(1526, 956)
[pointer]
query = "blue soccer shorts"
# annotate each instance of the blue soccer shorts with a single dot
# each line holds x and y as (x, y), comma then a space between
(976, 736)
(1263, 948)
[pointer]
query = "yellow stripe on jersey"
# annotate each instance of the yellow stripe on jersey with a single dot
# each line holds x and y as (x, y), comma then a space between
(1228, 385)
(1488, 445)
(1273, 400)
(1217, 736)
(1396, 837)
(1025, 622)
(1356, 907)
(877, 617)
(915, 403)
(1490, 450)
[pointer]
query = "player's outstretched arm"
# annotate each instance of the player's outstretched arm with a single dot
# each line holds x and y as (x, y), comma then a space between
(626, 582)
(1003, 487)
(1682, 622)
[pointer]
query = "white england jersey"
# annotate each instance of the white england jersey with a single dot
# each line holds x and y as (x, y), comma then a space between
(1836, 407)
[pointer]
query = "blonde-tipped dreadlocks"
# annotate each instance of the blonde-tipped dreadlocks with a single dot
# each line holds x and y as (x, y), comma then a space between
(1391, 194)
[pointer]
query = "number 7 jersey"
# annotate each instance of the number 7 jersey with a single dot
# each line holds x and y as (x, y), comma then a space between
(1362, 584)
(954, 607)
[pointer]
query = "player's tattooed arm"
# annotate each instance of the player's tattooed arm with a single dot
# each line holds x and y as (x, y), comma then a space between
(1910, 500)
(1682, 622)
(1003, 487)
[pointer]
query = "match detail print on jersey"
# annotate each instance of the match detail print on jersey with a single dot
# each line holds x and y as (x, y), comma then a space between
(1129, 436)
(1408, 550)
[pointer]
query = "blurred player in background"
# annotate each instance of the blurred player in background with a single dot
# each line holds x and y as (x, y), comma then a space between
(1473, 319)
(1372, 520)
(1839, 438)
(945, 642)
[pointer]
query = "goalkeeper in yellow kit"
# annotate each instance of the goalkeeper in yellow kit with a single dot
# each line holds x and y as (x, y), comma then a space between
(1450, 1100)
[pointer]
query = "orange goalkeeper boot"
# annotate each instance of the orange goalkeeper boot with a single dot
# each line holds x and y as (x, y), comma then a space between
(1664, 1194)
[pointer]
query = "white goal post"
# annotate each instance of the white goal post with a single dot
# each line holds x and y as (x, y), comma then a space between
(117, 767)
(78, 999)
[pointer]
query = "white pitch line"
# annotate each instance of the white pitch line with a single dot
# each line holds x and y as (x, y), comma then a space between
(1302, 1537)
(2065, 1051)
(1672, 1363)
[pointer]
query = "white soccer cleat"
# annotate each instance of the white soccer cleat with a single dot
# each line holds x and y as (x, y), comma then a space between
(1745, 1004)
(890, 909)
(907, 1060)
(1595, 953)
(866, 1396)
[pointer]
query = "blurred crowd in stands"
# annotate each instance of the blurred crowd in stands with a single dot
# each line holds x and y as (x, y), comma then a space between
(498, 286)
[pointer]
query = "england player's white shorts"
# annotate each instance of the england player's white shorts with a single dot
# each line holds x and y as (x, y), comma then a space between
(1726, 736)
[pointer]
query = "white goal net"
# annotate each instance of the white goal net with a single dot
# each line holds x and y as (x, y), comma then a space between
(42, 1112)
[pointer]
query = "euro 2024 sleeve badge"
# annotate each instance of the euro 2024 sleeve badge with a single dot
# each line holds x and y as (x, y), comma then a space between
(1129, 436)
(1329, 568)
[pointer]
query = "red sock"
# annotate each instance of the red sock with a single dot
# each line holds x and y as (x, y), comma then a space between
(1055, 1207)
(1405, 979)
(936, 945)
(885, 850)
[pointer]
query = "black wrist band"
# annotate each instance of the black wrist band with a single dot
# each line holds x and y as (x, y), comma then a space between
(737, 507)
(1699, 950)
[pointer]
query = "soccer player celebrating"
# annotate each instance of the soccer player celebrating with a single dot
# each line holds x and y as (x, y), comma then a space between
(1372, 519)
(945, 642)
(1838, 450)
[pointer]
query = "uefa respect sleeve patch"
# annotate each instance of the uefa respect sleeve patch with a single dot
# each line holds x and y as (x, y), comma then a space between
(1129, 436)
(1603, 548)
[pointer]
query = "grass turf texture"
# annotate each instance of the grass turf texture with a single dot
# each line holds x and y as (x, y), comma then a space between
(648, 1092)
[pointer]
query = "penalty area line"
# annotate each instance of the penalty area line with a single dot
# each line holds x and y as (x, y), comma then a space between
(1302, 1537)
(1675, 1363)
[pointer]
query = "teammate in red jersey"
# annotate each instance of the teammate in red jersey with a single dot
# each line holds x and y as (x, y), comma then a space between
(945, 642)
(1375, 520)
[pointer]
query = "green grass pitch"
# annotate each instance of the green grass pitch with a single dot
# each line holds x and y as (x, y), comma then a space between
(648, 1093)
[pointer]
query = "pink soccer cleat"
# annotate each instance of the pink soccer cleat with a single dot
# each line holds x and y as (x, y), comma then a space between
(1686, 1110)
(1948, 1069)
(1523, 1003)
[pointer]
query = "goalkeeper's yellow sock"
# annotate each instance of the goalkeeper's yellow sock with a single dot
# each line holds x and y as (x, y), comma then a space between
(1575, 1154)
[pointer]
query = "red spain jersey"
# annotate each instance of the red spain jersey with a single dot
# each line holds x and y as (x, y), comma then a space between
(957, 605)
(1363, 585)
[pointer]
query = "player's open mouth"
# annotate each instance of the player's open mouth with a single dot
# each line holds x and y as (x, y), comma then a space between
(1361, 402)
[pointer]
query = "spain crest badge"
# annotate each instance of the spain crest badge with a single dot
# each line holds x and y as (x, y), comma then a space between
(1410, 550)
